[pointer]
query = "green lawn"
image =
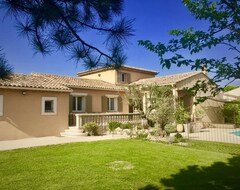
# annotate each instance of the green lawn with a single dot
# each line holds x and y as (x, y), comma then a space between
(87, 166)
(228, 148)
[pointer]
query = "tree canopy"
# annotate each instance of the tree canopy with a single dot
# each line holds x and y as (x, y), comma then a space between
(5, 69)
(223, 18)
(159, 106)
(52, 25)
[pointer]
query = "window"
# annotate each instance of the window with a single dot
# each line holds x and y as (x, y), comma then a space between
(49, 105)
(123, 77)
(78, 103)
(1, 105)
(112, 102)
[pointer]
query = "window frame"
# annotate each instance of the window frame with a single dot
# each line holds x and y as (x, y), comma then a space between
(115, 104)
(122, 77)
(1, 105)
(54, 100)
(84, 101)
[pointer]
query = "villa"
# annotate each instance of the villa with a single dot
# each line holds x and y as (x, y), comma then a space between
(39, 104)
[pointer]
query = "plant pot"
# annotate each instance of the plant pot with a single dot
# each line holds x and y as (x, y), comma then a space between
(180, 127)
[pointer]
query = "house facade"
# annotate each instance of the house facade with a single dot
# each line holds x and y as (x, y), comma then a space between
(45, 105)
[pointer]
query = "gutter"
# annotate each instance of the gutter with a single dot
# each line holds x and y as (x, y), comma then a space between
(34, 89)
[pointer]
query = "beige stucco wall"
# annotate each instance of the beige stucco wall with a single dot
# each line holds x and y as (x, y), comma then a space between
(111, 75)
(97, 98)
(189, 82)
(108, 76)
(135, 76)
(211, 111)
(22, 114)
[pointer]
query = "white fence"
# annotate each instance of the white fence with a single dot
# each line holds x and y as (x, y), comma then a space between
(103, 119)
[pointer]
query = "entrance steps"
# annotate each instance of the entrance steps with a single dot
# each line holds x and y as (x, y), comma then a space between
(73, 131)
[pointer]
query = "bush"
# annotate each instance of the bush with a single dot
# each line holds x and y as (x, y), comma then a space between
(231, 113)
(178, 138)
(91, 128)
(139, 127)
(114, 125)
(142, 136)
(127, 126)
(169, 128)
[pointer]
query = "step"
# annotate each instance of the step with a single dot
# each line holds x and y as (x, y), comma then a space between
(67, 134)
(73, 131)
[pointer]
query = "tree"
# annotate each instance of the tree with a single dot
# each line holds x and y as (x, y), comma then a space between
(223, 17)
(231, 111)
(135, 97)
(5, 69)
(228, 88)
(160, 108)
(60, 25)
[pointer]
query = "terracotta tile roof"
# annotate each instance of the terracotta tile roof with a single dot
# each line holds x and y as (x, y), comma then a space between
(76, 82)
(32, 81)
(166, 80)
(55, 82)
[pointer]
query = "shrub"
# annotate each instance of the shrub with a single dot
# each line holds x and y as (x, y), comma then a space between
(114, 125)
(127, 126)
(178, 138)
(91, 128)
(170, 128)
(231, 113)
(142, 136)
(139, 127)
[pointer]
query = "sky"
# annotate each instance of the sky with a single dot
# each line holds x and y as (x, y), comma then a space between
(153, 20)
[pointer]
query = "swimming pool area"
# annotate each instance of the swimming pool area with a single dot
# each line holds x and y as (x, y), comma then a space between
(237, 133)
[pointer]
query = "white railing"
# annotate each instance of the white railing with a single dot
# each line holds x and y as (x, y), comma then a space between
(103, 119)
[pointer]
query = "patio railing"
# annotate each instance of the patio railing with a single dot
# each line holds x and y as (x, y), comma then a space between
(103, 119)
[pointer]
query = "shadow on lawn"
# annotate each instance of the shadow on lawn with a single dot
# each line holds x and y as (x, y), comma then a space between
(219, 176)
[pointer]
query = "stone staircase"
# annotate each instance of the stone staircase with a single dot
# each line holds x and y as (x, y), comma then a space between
(73, 131)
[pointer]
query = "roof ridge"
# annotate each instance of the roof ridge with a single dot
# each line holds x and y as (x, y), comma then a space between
(78, 78)
(110, 67)
(180, 74)
(196, 72)
(38, 73)
(168, 79)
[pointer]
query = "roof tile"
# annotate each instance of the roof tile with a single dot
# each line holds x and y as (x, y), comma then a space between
(166, 80)
(31, 81)
(74, 82)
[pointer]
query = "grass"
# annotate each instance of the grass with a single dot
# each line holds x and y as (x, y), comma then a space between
(228, 148)
(89, 166)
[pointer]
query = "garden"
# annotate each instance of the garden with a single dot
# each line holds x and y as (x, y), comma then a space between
(122, 164)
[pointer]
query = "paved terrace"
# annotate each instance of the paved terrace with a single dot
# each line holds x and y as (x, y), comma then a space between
(210, 134)
(51, 140)
(215, 134)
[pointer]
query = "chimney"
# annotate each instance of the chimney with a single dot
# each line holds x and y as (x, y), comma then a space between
(204, 69)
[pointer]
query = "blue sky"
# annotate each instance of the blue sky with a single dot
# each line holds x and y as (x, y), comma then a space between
(153, 20)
